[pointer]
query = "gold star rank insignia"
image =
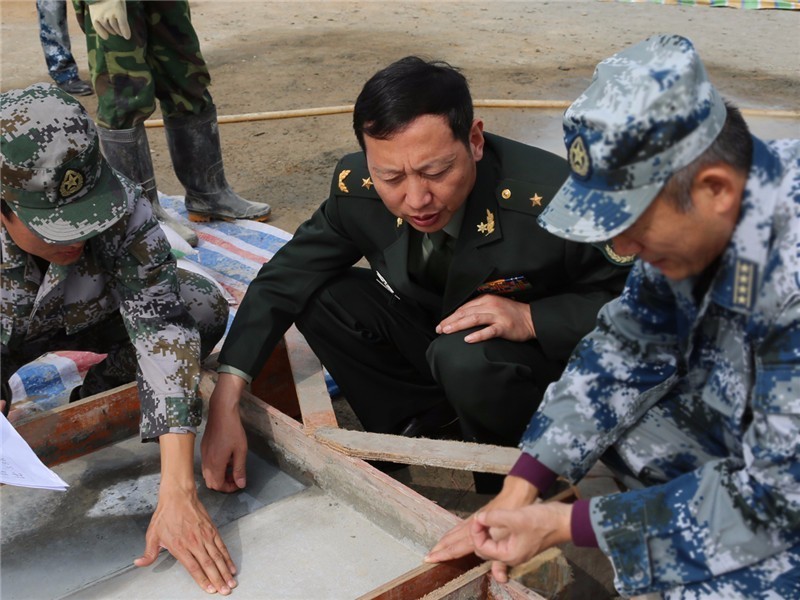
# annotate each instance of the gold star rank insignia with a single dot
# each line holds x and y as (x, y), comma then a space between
(487, 227)
(579, 160)
(744, 281)
(367, 183)
(399, 221)
(536, 200)
(342, 176)
(72, 183)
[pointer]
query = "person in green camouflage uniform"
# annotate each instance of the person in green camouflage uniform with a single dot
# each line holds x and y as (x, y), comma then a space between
(86, 266)
(143, 51)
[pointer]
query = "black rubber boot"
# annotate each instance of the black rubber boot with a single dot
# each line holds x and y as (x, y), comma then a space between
(127, 151)
(194, 146)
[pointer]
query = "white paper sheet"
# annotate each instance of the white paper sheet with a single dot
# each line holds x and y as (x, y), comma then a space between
(20, 466)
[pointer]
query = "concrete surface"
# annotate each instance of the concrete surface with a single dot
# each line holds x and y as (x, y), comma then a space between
(307, 547)
(54, 543)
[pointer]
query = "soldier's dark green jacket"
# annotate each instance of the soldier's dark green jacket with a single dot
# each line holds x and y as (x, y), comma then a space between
(565, 283)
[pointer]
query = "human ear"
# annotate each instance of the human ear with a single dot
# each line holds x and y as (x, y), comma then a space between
(476, 139)
(721, 186)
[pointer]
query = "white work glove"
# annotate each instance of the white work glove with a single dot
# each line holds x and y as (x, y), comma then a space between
(110, 17)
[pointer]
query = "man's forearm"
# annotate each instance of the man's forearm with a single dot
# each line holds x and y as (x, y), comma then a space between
(177, 462)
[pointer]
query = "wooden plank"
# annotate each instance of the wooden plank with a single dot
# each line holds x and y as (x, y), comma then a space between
(275, 383)
(472, 584)
(423, 580)
(451, 454)
(548, 573)
(381, 498)
(81, 427)
(312, 392)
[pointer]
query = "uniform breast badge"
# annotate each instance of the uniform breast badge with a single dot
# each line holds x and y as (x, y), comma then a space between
(487, 227)
(342, 176)
(505, 287)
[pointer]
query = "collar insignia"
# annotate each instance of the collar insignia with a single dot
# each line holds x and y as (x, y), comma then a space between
(72, 183)
(367, 183)
(399, 221)
(342, 176)
(619, 258)
(487, 227)
(536, 200)
(579, 160)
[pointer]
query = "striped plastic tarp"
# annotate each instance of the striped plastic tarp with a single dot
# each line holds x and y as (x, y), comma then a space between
(750, 4)
(229, 253)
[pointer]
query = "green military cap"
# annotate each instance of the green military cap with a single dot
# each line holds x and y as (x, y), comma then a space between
(54, 178)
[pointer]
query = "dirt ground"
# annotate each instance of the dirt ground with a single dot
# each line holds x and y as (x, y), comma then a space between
(268, 56)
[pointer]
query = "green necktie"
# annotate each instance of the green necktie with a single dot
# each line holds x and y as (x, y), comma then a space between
(439, 247)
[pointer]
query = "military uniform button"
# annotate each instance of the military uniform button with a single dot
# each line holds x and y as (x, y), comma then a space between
(506, 194)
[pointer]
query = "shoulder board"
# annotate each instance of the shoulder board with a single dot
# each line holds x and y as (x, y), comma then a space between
(613, 257)
(525, 196)
(352, 178)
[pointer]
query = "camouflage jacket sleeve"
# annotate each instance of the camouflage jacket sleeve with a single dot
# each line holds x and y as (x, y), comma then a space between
(728, 513)
(166, 339)
(733, 362)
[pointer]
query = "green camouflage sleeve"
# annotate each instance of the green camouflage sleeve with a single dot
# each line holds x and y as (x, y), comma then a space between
(162, 331)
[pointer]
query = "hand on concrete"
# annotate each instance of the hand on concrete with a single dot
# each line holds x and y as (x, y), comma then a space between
(511, 537)
(503, 318)
(110, 17)
(181, 523)
(458, 542)
(182, 526)
(224, 445)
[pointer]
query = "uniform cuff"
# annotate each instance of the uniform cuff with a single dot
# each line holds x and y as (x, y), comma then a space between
(581, 525)
(234, 371)
(534, 472)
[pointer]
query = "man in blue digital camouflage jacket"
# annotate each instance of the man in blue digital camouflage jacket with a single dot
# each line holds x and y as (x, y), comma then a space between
(689, 387)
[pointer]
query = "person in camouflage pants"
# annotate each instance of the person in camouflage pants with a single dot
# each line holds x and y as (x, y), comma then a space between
(140, 52)
(85, 265)
(689, 386)
(54, 35)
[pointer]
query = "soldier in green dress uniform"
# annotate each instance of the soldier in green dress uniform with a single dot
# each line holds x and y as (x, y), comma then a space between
(469, 309)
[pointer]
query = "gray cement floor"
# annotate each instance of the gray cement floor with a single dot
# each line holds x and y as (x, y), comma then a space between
(288, 540)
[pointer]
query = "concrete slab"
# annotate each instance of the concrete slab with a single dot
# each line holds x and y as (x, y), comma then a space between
(308, 546)
(54, 543)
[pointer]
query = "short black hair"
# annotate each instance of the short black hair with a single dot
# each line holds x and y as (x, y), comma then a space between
(733, 146)
(409, 88)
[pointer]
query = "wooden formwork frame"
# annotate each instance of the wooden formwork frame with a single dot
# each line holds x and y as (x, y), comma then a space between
(304, 438)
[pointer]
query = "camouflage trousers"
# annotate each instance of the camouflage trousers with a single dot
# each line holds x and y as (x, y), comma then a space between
(54, 35)
(202, 299)
(162, 60)
(667, 442)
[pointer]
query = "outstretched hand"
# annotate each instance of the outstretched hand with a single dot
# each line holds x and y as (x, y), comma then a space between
(181, 525)
(500, 318)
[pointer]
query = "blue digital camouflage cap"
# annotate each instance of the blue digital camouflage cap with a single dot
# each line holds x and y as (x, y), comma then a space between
(649, 111)
(54, 178)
